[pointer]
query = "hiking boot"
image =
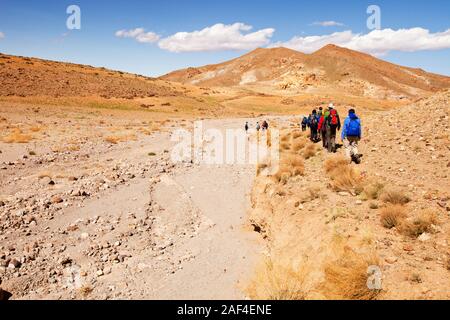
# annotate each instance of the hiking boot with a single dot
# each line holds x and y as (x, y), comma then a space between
(356, 158)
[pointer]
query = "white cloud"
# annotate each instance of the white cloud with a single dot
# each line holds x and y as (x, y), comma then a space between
(377, 42)
(327, 24)
(218, 37)
(139, 35)
(2, 35)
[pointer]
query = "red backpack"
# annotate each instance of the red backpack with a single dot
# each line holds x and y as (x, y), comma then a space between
(334, 118)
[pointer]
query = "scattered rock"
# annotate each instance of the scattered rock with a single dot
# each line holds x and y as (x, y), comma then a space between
(424, 237)
(56, 200)
(14, 264)
(65, 261)
(391, 260)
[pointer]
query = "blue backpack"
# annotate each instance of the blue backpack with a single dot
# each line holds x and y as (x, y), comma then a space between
(354, 128)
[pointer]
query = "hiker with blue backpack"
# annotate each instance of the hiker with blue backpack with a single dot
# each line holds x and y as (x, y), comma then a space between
(351, 135)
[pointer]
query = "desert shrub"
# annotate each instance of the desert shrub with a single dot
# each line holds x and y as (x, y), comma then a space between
(296, 134)
(260, 168)
(421, 224)
(395, 196)
(123, 138)
(373, 190)
(285, 138)
(392, 216)
(294, 163)
(273, 281)
(346, 278)
(373, 205)
(284, 146)
(298, 145)
(283, 175)
(309, 151)
(334, 163)
(343, 176)
(291, 165)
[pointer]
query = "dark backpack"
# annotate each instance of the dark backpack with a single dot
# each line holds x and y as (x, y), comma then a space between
(313, 121)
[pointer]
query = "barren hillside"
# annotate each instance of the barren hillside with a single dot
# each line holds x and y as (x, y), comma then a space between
(331, 69)
(21, 76)
(327, 222)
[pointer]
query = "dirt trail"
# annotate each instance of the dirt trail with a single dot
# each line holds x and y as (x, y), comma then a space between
(221, 253)
(168, 232)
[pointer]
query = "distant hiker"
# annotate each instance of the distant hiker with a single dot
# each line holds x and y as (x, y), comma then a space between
(258, 126)
(265, 125)
(351, 135)
(334, 125)
(246, 127)
(320, 113)
(304, 123)
(313, 126)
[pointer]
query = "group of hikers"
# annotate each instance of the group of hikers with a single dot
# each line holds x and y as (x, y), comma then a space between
(264, 126)
(324, 125)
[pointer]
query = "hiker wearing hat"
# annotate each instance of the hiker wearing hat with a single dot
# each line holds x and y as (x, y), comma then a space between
(334, 125)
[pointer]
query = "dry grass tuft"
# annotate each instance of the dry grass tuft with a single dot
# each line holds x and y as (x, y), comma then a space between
(294, 163)
(309, 151)
(285, 146)
(395, 196)
(291, 165)
(297, 134)
(335, 163)
(392, 216)
(260, 168)
(422, 224)
(298, 145)
(347, 278)
(343, 176)
(122, 138)
(282, 176)
(286, 137)
(85, 291)
(274, 281)
(373, 190)
(17, 136)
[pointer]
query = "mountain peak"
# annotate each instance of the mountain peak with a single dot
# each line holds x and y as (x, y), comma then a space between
(333, 48)
(332, 67)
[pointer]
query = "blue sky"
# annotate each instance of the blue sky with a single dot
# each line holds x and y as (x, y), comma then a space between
(38, 29)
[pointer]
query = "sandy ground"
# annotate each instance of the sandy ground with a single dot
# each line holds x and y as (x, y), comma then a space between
(151, 230)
